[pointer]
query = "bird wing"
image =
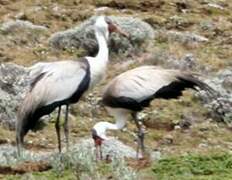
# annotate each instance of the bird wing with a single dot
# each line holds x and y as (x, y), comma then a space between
(141, 83)
(37, 71)
(57, 81)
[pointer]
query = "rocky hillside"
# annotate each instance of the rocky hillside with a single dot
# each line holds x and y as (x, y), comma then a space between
(190, 136)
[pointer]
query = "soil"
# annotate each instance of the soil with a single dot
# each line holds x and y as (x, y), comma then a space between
(25, 167)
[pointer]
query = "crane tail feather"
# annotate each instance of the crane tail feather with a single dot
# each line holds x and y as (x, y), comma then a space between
(195, 82)
(26, 118)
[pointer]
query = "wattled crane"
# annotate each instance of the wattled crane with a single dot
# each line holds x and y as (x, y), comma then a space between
(63, 83)
(133, 90)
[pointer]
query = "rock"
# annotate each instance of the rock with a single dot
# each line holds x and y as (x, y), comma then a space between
(101, 10)
(8, 155)
(185, 37)
(203, 145)
(20, 25)
(217, 6)
(82, 36)
(155, 155)
(168, 139)
(13, 85)
(112, 147)
(177, 127)
(187, 62)
(220, 106)
(21, 33)
(227, 83)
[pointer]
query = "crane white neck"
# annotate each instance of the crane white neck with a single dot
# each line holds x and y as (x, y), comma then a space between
(103, 52)
(99, 63)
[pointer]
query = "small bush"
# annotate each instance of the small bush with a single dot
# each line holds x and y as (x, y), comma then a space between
(81, 161)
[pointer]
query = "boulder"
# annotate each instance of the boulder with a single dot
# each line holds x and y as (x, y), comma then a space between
(14, 26)
(188, 62)
(185, 37)
(13, 85)
(113, 148)
(21, 33)
(220, 106)
(82, 36)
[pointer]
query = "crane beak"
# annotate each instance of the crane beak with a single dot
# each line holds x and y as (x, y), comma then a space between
(120, 31)
(115, 28)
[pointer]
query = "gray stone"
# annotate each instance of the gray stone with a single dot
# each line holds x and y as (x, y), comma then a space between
(187, 62)
(13, 26)
(13, 85)
(8, 155)
(185, 37)
(155, 155)
(82, 36)
(216, 6)
(227, 83)
(221, 106)
(112, 147)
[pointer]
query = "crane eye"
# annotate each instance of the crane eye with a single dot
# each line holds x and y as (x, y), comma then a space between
(108, 20)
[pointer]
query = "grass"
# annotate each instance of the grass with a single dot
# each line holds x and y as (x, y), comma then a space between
(194, 166)
(48, 175)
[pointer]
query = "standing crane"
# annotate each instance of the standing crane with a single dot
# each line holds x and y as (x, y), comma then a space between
(63, 83)
(133, 90)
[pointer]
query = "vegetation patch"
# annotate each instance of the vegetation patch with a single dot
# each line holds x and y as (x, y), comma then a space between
(195, 166)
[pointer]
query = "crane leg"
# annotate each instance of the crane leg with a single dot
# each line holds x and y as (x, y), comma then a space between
(57, 126)
(66, 130)
(19, 143)
(97, 152)
(101, 157)
(141, 135)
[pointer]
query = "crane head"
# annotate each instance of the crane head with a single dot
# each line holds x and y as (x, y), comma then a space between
(97, 139)
(113, 27)
(106, 26)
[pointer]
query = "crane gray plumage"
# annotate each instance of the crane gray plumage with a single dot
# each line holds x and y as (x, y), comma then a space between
(133, 90)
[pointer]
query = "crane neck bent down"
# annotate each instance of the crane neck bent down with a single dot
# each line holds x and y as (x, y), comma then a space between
(101, 127)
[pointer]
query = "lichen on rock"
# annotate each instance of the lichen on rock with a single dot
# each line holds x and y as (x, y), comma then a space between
(220, 106)
(82, 36)
(13, 85)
